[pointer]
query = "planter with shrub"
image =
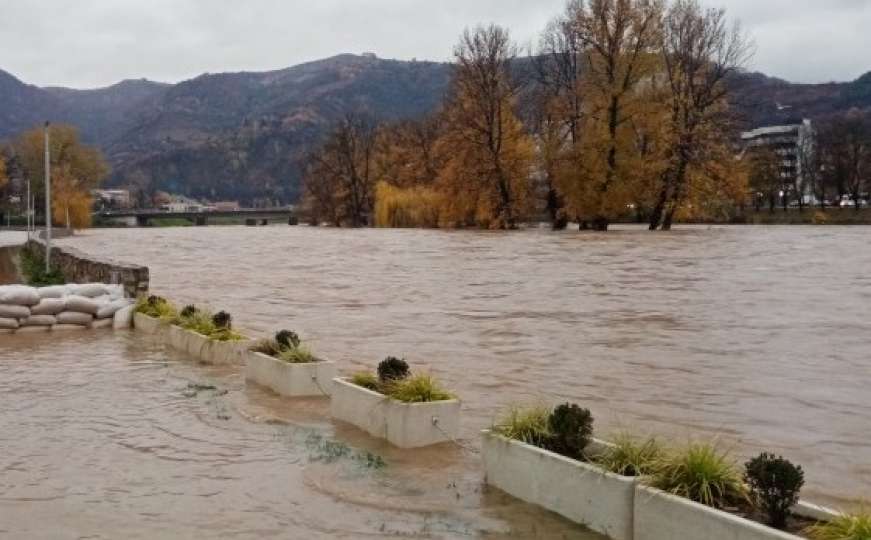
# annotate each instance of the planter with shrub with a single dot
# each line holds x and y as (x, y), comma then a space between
(698, 492)
(152, 315)
(287, 367)
(209, 338)
(549, 458)
(410, 411)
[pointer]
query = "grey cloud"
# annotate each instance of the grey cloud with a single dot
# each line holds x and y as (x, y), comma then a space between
(88, 43)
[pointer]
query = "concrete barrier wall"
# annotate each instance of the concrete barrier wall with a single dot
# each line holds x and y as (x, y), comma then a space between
(406, 425)
(581, 492)
(78, 267)
(662, 516)
(290, 380)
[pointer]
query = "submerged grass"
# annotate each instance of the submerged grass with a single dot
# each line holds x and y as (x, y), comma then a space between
(630, 456)
(848, 527)
(528, 424)
(702, 473)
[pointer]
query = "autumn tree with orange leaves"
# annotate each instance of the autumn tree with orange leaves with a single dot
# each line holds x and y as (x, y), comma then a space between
(489, 156)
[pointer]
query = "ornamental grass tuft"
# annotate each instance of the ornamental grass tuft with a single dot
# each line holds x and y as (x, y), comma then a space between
(418, 389)
(847, 527)
(528, 424)
(631, 456)
(701, 473)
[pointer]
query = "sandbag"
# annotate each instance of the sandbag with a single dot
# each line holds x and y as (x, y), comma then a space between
(101, 323)
(66, 327)
(116, 292)
(49, 306)
(9, 311)
(55, 291)
(74, 317)
(82, 304)
(88, 290)
(108, 310)
(9, 324)
(33, 329)
(18, 295)
(123, 318)
(39, 320)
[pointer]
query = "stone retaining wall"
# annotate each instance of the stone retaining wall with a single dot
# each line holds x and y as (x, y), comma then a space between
(78, 267)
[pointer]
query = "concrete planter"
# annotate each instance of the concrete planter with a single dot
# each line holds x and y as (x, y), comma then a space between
(581, 492)
(406, 425)
(662, 516)
(148, 325)
(291, 380)
(209, 351)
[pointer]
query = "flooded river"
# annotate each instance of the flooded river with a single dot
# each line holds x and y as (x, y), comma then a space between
(758, 336)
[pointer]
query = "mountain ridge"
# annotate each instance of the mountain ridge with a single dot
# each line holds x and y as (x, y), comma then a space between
(242, 135)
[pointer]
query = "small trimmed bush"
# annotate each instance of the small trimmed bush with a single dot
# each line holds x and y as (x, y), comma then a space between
(701, 473)
(287, 339)
(847, 527)
(392, 369)
(223, 320)
(775, 484)
(188, 311)
(571, 429)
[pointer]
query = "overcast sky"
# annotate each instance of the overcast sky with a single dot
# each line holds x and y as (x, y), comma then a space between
(90, 43)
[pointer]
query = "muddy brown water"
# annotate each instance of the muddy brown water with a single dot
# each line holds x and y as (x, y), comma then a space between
(757, 336)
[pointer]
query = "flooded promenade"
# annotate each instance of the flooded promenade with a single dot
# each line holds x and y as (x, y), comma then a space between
(758, 336)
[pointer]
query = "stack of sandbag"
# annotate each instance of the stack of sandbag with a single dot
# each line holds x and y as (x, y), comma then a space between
(64, 307)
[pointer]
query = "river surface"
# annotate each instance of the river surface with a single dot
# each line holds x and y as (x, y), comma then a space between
(760, 337)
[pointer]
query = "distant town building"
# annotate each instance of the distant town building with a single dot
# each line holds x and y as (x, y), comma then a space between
(788, 141)
(112, 198)
(180, 203)
(225, 206)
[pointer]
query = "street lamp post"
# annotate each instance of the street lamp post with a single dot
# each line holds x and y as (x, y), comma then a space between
(47, 201)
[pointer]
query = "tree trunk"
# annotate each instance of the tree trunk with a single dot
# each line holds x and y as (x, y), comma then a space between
(669, 218)
(600, 223)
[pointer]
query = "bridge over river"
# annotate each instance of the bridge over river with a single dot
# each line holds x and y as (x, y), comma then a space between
(251, 216)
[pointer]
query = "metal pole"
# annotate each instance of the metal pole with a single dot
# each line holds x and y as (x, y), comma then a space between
(27, 206)
(47, 201)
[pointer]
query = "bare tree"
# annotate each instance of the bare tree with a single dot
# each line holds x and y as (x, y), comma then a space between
(340, 176)
(699, 51)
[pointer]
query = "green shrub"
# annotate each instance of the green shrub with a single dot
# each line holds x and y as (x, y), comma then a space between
(417, 389)
(528, 424)
(33, 269)
(847, 527)
(297, 355)
(629, 456)
(774, 484)
(571, 429)
(223, 320)
(287, 339)
(188, 311)
(392, 369)
(701, 473)
(366, 380)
